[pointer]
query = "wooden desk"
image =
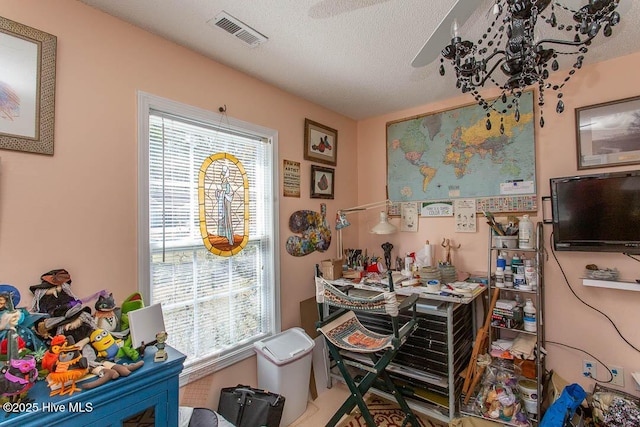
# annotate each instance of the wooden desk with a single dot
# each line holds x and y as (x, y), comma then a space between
(155, 385)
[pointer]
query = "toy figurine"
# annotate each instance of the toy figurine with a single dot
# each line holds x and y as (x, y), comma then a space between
(17, 319)
(448, 247)
(70, 365)
(109, 348)
(386, 247)
(53, 295)
(105, 314)
(107, 371)
(18, 375)
(161, 354)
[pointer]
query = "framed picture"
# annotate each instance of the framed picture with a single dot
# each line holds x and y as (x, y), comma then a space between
(320, 143)
(322, 182)
(27, 88)
(608, 134)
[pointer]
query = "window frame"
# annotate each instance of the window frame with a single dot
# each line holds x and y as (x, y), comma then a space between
(146, 103)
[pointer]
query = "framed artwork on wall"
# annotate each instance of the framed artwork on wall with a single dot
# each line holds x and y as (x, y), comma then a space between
(27, 88)
(322, 182)
(608, 134)
(320, 143)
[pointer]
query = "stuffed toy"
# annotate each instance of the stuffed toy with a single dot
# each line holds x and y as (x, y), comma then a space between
(17, 319)
(69, 365)
(18, 375)
(133, 302)
(105, 315)
(76, 322)
(109, 348)
(53, 295)
(107, 371)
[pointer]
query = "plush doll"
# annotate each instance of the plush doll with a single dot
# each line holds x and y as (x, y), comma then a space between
(133, 302)
(53, 295)
(110, 348)
(17, 319)
(105, 315)
(76, 322)
(18, 375)
(70, 365)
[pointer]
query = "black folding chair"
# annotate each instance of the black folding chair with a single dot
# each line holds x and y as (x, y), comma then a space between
(344, 332)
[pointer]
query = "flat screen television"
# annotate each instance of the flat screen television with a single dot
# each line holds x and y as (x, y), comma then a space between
(597, 213)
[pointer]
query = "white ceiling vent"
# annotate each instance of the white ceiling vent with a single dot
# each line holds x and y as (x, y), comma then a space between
(239, 29)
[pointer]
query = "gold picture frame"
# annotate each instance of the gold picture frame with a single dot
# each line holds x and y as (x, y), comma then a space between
(320, 143)
(27, 88)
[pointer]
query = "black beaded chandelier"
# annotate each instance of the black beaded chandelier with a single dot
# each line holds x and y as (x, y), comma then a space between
(513, 45)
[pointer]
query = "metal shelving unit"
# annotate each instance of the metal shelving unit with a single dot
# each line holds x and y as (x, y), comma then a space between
(537, 296)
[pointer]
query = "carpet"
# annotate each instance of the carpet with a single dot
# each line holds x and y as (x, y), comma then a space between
(386, 414)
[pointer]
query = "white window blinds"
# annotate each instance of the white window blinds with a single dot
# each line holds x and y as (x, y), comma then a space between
(214, 307)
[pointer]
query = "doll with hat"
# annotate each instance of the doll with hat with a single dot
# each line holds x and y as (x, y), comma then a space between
(67, 315)
(16, 319)
(53, 295)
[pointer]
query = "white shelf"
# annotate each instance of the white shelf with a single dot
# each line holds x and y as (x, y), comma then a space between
(627, 286)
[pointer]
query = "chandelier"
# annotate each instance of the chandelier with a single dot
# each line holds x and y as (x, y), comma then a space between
(513, 44)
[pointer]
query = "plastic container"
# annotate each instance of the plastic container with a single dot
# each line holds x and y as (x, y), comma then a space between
(525, 233)
(528, 389)
(433, 285)
(529, 316)
(506, 242)
(284, 367)
(501, 261)
(499, 277)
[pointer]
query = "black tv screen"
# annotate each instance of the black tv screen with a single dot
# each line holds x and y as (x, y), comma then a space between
(597, 213)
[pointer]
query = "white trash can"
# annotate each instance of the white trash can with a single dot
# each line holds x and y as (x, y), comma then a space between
(284, 367)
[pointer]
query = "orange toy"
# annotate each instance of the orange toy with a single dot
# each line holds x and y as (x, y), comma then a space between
(69, 366)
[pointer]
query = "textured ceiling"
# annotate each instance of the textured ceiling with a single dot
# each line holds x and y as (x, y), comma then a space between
(351, 56)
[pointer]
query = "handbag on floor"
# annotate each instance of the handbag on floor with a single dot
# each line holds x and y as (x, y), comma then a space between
(246, 406)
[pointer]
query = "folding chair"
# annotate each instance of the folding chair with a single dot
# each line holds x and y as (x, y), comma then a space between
(344, 332)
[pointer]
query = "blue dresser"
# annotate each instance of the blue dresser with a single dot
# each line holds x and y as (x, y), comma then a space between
(151, 392)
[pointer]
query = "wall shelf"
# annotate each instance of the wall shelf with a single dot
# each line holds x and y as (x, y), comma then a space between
(627, 286)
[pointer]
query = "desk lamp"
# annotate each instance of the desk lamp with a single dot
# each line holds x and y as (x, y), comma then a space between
(382, 227)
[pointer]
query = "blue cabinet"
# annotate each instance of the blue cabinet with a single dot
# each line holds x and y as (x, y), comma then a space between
(151, 391)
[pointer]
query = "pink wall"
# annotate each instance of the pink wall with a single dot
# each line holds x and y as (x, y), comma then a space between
(78, 209)
(567, 320)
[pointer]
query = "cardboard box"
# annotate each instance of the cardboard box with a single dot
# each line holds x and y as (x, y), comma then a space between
(331, 268)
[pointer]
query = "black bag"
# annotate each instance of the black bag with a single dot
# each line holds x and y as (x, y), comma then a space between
(245, 406)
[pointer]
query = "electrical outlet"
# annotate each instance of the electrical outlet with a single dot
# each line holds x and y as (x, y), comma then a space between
(589, 369)
(618, 376)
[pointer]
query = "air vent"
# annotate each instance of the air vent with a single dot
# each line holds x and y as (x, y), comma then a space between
(239, 29)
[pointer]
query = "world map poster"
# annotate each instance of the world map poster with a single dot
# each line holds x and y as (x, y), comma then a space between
(452, 154)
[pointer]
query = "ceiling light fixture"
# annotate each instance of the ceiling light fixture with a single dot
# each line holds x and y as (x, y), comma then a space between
(514, 44)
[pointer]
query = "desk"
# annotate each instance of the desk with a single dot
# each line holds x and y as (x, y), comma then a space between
(155, 385)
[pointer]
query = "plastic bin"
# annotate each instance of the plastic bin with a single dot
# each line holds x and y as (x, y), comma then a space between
(284, 367)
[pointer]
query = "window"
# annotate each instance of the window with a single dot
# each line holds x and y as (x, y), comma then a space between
(216, 304)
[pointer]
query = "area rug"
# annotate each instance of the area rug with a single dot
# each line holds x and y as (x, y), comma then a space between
(386, 414)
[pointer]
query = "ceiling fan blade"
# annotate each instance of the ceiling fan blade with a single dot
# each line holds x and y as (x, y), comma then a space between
(330, 8)
(460, 11)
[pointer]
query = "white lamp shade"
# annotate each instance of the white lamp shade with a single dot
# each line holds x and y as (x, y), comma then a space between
(383, 227)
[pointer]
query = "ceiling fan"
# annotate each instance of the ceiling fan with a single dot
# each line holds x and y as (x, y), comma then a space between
(441, 36)
(328, 8)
